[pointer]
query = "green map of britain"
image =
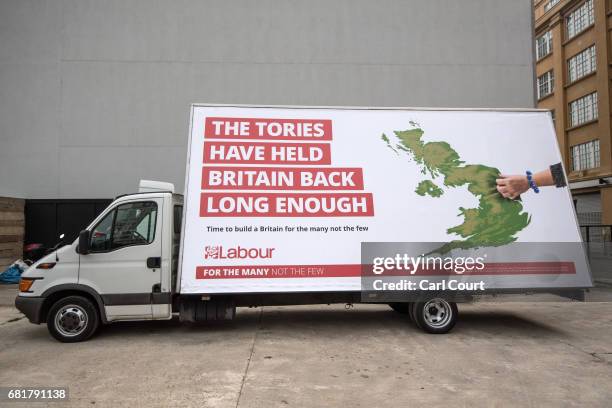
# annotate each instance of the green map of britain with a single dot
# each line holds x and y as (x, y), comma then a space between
(495, 221)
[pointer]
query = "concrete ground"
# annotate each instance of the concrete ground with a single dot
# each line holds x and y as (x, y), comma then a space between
(502, 354)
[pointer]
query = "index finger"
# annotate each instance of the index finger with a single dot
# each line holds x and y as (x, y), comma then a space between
(501, 181)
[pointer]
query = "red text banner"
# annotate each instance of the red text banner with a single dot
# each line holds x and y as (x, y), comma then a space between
(281, 178)
(266, 153)
(286, 205)
(356, 270)
(268, 129)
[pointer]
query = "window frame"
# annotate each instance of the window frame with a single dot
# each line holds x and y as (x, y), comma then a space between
(576, 102)
(550, 4)
(588, 155)
(112, 212)
(581, 59)
(112, 232)
(579, 14)
(550, 84)
(150, 223)
(547, 39)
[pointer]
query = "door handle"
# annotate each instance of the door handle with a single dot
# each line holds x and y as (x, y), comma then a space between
(154, 262)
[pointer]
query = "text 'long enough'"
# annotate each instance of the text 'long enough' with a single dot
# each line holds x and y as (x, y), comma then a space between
(286, 205)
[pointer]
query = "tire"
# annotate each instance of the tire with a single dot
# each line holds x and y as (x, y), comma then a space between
(411, 312)
(402, 308)
(436, 315)
(73, 319)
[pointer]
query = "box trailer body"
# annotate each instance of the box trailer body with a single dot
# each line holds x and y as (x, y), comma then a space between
(294, 205)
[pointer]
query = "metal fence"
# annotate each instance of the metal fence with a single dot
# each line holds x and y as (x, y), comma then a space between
(598, 243)
(589, 217)
(596, 233)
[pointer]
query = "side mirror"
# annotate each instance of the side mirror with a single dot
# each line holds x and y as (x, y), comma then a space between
(83, 242)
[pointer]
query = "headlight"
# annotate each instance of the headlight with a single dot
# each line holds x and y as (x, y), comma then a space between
(25, 284)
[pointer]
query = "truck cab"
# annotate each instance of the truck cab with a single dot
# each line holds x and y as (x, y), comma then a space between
(123, 266)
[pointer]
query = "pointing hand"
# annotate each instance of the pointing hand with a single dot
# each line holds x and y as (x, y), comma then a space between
(512, 186)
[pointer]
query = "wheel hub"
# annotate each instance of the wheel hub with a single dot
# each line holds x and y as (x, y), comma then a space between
(437, 312)
(71, 320)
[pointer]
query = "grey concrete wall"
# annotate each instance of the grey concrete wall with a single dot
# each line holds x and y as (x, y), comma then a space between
(95, 95)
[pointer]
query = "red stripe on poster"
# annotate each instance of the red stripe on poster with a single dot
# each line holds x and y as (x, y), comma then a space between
(268, 129)
(355, 270)
(286, 205)
(266, 153)
(281, 178)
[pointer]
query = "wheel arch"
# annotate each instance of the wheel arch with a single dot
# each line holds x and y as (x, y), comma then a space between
(58, 292)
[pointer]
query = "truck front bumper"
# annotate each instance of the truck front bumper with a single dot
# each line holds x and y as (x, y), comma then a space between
(31, 307)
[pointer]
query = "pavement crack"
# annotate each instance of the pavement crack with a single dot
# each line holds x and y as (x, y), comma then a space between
(246, 369)
(593, 355)
(15, 319)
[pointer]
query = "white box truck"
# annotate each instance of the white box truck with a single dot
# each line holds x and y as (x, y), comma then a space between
(307, 205)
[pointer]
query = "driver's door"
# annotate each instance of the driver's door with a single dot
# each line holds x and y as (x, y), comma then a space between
(124, 260)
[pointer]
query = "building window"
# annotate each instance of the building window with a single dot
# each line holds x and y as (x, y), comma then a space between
(585, 155)
(579, 19)
(544, 45)
(550, 4)
(546, 84)
(582, 64)
(583, 110)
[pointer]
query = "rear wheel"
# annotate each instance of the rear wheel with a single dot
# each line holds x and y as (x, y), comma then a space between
(73, 319)
(436, 315)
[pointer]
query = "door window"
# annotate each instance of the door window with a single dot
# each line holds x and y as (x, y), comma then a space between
(127, 225)
(100, 240)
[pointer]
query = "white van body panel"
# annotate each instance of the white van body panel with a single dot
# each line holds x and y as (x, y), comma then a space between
(65, 271)
(121, 276)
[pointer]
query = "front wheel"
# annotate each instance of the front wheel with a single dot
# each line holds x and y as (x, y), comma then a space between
(436, 315)
(73, 319)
